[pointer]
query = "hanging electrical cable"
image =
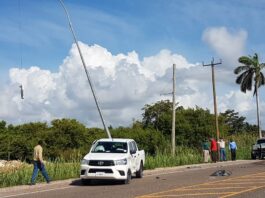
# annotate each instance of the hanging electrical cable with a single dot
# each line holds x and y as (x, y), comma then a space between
(20, 49)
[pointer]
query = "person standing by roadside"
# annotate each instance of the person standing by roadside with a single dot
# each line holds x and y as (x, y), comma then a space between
(222, 149)
(206, 151)
(38, 163)
(213, 150)
(233, 148)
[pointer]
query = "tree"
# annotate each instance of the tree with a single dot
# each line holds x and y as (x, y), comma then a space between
(235, 122)
(65, 135)
(159, 116)
(193, 125)
(247, 73)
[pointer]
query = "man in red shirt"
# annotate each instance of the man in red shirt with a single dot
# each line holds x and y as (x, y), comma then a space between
(213, 150)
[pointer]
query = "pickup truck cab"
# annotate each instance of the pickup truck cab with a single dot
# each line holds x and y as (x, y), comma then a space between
(258, 149)
(116, 159)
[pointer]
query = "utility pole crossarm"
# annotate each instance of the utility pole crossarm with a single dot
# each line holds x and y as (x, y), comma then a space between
(212, 63)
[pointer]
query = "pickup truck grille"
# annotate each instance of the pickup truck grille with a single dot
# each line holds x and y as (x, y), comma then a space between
(95, 170)
(101, 162)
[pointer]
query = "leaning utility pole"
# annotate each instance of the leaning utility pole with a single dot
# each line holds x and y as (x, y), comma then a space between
(85, 68)
(173, 140)
(212, 64)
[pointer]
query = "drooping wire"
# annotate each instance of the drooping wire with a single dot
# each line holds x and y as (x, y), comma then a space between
(20, 48)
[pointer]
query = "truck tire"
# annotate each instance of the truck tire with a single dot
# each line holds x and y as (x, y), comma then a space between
(129, 177)
(253, 156)
(140, 172)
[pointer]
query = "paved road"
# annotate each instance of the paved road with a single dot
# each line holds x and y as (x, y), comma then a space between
(247, 179)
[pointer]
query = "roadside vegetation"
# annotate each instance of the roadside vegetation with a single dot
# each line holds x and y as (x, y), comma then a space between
(61, 169)
(67, 140)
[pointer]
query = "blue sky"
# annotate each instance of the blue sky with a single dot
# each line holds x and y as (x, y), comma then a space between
(121, 26)
(37, 32)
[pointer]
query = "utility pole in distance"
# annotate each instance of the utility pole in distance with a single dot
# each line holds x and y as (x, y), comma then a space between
(173, 139)
(212, 64)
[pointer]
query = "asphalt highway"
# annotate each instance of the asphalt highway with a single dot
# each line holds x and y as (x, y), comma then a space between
(243, 179)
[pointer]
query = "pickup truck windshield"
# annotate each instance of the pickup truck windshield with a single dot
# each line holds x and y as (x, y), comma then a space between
(110, 147)
(261, 141)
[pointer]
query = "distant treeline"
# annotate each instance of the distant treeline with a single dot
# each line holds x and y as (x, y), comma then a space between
(69, 139)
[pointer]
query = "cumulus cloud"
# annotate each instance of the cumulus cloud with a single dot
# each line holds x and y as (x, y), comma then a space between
(123, 84)
(243, 103)
(228, 44)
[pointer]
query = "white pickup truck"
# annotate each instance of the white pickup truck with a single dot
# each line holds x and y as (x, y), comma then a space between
(258, 149)
(116, 159)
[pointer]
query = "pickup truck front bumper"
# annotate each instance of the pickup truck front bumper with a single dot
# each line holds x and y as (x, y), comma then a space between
(258, 153)
(117, 172)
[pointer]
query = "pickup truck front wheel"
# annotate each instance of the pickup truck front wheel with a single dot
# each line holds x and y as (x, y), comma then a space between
(129, 177)
(140, 172)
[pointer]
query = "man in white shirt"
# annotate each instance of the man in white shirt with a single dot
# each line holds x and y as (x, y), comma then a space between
(221, 143)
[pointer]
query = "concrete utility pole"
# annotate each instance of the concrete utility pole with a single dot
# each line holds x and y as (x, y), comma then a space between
(173, 140)
(85, 68)
(212, 64)
(258, 112)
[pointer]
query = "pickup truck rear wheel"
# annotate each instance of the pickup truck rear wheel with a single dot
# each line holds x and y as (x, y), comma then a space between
(129, 177)
(139, 173)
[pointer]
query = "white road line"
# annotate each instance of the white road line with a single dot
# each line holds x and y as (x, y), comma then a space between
(39, 191)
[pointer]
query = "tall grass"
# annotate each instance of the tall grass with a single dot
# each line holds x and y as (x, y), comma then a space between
(244, 145)
(57, 170)
(183, 156)
(16, 176)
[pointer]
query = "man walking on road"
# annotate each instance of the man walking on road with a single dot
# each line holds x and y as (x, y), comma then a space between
(38, 164)
(233, 148)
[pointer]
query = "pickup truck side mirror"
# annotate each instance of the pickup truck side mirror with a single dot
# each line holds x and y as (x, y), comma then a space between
(132, 152)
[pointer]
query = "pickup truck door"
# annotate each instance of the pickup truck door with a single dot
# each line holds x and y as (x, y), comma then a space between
(138, 157)
(133, 153)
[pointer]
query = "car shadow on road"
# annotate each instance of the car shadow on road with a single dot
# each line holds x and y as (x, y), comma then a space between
(78, 182)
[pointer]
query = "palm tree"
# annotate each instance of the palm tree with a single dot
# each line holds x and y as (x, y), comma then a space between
(251, 70)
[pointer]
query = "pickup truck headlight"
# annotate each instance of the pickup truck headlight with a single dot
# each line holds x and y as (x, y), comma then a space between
(84, 162)
(121, 162)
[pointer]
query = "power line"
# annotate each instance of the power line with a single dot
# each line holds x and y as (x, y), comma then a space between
(20, 47)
